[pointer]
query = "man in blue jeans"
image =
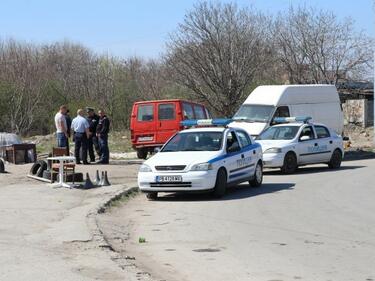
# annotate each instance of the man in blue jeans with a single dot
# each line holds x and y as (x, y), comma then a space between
(102, 131)
(61, 127)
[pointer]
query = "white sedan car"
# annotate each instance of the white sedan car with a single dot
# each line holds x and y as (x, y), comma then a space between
(202, 159)
(290, 145)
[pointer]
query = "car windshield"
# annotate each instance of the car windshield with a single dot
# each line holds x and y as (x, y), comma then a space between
(254, 113)
(194, 141)
(279, 133)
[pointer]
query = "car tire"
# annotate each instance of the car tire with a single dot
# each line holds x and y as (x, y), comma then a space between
(38, 167)
(152, 195)
(142, 153)
(290, 163)
(220, 184)
(258, 176)
(336, 159)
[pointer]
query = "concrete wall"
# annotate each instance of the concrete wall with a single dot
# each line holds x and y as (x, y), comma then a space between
(359, 112)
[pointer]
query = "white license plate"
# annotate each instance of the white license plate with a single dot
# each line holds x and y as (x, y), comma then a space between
(168, 178)
(145, 138)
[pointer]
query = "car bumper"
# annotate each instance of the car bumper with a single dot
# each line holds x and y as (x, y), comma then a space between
(273, 160)
(191, 181)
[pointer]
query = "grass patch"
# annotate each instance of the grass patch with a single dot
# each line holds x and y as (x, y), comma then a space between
(122, 199)
(118, 142)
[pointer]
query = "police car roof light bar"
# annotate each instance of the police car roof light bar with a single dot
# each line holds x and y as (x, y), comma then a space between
(206, 122)
(304, 119)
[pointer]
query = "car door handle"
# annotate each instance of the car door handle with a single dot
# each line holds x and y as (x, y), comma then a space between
(316, 144)
(330, 142)
(254, 152)
(242, 156)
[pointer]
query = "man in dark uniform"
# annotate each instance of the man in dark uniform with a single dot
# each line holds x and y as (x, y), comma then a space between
(68, 124)
(102, 131)
(92, 141)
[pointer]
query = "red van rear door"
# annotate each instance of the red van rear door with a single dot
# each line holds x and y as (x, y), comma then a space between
(145, 124)
(167, 123)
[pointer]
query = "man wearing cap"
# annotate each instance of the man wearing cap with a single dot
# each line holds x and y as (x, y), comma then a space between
(92, 141)
(81, 131)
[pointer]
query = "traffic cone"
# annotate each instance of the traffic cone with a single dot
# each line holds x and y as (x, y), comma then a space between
(105, 181)
(2, 166)
(88, 183)
(97, 178)
(101, 180)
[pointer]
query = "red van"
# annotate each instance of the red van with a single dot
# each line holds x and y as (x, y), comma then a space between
(152, 123)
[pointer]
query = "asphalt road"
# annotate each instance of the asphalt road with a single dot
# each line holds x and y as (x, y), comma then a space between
(318, 224)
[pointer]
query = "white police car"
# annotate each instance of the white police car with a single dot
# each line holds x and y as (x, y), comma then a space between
(298, 143)
(203, 158)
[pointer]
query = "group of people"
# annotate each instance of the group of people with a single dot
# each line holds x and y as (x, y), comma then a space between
(89, 132)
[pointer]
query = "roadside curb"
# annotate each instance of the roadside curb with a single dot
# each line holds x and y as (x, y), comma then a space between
(91, 217)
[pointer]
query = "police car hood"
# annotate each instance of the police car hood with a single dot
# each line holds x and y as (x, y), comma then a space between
(253, 128)
(266, 144)
(181, 158)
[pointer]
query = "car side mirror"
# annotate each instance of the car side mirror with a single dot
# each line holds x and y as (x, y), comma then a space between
(157, 149)
(304, 138)
(345, 138)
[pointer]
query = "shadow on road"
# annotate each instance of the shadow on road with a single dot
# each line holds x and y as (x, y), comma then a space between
(233, 193)
(312, 170)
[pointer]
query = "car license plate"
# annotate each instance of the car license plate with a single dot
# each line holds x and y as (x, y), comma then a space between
(145, 138)
(168, 178)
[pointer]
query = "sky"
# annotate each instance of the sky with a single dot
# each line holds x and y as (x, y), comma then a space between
(135, 27)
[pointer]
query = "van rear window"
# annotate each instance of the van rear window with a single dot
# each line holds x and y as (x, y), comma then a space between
(145, 112)
(166, 111)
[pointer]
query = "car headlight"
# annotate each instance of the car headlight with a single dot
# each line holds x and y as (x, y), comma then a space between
(201, 167)
(273, 150)
(145, 168)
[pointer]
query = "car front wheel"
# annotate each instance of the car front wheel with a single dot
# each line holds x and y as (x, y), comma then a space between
(221, 183)
(290, 163)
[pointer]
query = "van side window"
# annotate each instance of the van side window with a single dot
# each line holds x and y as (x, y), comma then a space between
(244, 138)
(322, 132)
(166, 111)
(187, 111)
(199, 112)
(282, 111)
(145, 112)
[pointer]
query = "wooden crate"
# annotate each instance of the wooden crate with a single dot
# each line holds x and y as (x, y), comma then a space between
(19, 153)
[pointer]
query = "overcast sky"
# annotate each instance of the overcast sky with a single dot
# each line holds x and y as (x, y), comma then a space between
(134, 27)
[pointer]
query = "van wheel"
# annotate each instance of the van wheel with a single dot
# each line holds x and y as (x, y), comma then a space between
(142, 153)
(258, 176)
(221, 183)
(336, 159)
(152, 195)
(290, 163)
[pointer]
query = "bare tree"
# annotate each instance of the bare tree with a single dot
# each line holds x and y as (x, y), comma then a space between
(216, 52)
(315, 47)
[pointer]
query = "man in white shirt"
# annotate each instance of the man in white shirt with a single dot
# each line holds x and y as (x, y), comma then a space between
(80, 127)
(61, 127)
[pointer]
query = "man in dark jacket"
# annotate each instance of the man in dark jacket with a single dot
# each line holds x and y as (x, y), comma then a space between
(92, 141)
(102, 131)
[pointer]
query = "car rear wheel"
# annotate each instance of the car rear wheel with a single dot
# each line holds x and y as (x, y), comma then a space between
(290, 163)
(221, 183)
(258, 176)
(336, 159)
(142, 153)
(152, 195)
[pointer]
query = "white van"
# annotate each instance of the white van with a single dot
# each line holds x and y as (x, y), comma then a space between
(321, 102)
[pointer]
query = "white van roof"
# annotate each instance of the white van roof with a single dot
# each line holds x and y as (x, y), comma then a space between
(293, 94)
